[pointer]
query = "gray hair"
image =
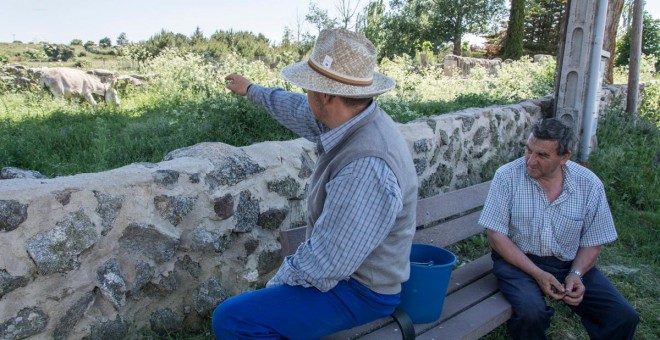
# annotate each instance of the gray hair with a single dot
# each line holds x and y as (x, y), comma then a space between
(555, 129)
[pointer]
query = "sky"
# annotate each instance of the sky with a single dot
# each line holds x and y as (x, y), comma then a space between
(60, 21)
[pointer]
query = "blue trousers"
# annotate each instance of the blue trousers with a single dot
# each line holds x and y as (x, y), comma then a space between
(604, 312)
(295, 312)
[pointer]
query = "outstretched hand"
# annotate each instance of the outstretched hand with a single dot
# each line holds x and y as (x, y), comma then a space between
(237, 84)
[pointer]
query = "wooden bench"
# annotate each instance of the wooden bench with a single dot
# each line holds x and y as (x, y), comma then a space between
(473, 305)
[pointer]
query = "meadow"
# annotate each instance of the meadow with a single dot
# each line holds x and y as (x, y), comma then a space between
(187, 103)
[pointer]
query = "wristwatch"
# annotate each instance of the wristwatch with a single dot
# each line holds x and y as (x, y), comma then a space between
(576, 272)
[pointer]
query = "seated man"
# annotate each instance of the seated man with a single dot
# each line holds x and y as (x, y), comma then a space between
(546, 218)
(360, 204)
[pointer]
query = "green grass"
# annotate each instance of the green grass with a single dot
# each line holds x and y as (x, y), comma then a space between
(69, 139)
(19, 53)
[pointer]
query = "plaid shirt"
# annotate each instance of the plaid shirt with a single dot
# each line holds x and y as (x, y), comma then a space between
(517, 206)
(367, 187)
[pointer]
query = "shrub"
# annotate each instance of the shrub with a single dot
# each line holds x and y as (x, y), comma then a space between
(82, 63)
(34, 55)
(627, 159)
(650, 106)
(57, 52)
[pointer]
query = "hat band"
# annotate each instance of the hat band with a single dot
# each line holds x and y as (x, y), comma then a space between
(342, 79)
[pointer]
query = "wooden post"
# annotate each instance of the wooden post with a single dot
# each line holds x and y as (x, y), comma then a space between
(632, 102)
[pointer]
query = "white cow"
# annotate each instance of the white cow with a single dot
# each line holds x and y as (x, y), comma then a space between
(71, 82)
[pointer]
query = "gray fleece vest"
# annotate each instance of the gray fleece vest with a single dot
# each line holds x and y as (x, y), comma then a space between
(376, 135)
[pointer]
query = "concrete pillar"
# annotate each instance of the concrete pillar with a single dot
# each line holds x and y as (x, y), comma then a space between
(582, 42)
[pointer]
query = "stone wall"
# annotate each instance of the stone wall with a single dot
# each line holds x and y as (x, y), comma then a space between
(153, 248)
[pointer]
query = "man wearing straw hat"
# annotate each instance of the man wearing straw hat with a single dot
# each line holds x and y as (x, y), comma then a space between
(360, 206)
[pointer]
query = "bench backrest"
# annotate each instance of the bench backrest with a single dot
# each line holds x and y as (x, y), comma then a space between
(441, 220)
(450, 217)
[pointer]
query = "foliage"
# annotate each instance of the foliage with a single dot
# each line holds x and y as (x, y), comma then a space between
(105, 42)
(122, 39)
(650, 42)
(630, 180)
(513, 42)
(56, 52)
(66, 138)
(371, 21)
(408, 24)
(186, 104)
(647, 70)
(457, 18)
(650, 106)
(33, 54)
(320, 18)
(137, 52)
(76, 42)
(426, 91)
(543, 22)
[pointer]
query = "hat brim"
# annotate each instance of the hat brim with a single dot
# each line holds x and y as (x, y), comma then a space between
(302, 75)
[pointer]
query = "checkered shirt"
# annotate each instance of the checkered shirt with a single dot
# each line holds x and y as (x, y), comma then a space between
(517, 206)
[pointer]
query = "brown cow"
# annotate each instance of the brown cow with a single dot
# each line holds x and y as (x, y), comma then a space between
(70, 82)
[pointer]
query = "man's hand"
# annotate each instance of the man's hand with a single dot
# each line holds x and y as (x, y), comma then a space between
(237, 84)
(574, 290)
(550, 286)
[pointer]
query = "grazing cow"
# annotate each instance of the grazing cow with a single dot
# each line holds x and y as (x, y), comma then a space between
(70, 82)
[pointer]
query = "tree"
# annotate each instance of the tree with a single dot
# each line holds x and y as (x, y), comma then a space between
(650, 42)
(57, 52)
(105, 42)
(614, 10)
(347, 13)
(122, 39)
(513, 42)
(543, 22)
(458, 17)
(197, 37)
(320, 18)
(76, 42)
(370, 23)
(405, 27)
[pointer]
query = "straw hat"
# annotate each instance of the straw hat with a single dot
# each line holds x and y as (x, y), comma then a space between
(342, 64)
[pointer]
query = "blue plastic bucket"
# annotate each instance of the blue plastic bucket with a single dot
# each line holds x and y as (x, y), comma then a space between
(423, 295)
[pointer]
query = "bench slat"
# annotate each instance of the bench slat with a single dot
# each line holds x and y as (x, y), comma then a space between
(474, 322)
(450, 232)
(455, 306)
(470, 272)
(460, 278)
(451, 203)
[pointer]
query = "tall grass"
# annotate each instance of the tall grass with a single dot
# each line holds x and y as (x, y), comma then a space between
(186, 103)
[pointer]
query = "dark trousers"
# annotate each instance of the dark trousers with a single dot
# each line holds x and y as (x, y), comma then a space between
(604, 312)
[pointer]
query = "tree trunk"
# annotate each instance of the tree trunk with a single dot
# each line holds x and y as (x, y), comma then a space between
(632, 102)
(614, 9)
(458, 36)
